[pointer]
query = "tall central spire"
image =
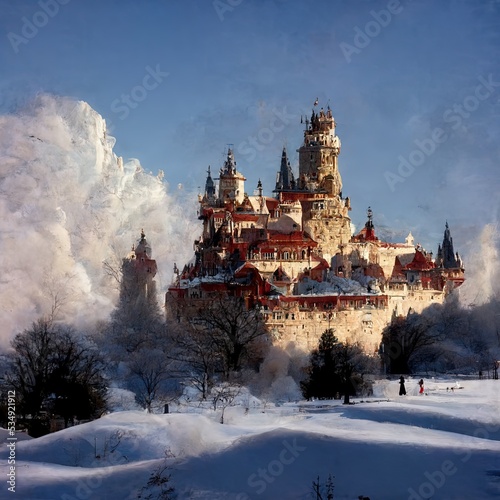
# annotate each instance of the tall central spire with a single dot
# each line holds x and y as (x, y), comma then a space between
(318, 170)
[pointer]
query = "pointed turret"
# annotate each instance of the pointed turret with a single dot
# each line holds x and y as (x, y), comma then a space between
(285, 180)
(209, 186)
(259, 188)
(368, 232)
(446, 255)
(143, 248)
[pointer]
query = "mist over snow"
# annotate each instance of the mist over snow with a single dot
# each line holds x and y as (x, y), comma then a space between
(482, 276)
(67, 204)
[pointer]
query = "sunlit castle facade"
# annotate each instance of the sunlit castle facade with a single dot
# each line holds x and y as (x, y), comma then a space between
(294, 255)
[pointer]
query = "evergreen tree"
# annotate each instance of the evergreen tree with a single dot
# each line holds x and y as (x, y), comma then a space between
(324, 380)
(335, 368)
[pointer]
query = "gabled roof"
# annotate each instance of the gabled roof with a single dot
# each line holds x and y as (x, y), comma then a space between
(243, 269)
(322, 263)
(281, 275)
(419, 263)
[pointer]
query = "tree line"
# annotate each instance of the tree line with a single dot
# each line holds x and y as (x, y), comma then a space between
(58, 370)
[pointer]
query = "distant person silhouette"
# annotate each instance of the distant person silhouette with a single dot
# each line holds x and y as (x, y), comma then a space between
(421, 384)
(402, 388)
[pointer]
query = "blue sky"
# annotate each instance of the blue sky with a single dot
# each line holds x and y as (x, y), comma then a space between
(414, 87)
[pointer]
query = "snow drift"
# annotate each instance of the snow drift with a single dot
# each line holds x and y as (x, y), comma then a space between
(444, 444)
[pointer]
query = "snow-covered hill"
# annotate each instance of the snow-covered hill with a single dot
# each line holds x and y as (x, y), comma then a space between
(443, 445)
(67, 204)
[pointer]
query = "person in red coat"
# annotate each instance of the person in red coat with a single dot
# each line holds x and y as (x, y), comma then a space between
(421, 384)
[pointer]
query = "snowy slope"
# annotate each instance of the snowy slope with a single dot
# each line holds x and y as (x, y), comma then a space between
(445, 445)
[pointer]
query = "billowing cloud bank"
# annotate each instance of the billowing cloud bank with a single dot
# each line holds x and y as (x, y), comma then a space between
(67, 204)
(482, 268)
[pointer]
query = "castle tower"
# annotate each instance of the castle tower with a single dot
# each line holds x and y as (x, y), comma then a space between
(209, 187)
(325, 212)
(368, 231)
(231, 182)
(138, 271)
(318, 155)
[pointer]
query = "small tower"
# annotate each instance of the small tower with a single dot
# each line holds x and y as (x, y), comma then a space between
(285, 180)
(138, 270)
(448, 264)
(209, 187)
(368, 231)
(369, 227)
(446, 256)
(231, 182)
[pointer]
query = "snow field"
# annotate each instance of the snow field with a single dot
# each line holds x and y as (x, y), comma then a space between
(444, 445)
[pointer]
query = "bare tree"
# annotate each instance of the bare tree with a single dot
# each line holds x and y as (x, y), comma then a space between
(196, 354)
(151, 370)
(159, 485)
(60, 291)
(224, 395)
(54, 369)
(323, 492)
(238, 334)
(405, 337)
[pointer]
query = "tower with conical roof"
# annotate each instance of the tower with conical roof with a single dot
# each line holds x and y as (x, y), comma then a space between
(446, 256)
(209, 187)
(285, 180)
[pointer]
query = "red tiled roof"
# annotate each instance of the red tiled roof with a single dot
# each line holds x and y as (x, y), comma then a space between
(239, 217)
(419, 263)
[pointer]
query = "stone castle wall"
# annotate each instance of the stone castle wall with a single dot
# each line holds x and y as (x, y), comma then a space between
(353, 323)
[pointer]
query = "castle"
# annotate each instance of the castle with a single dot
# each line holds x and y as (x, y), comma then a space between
(294, 256)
